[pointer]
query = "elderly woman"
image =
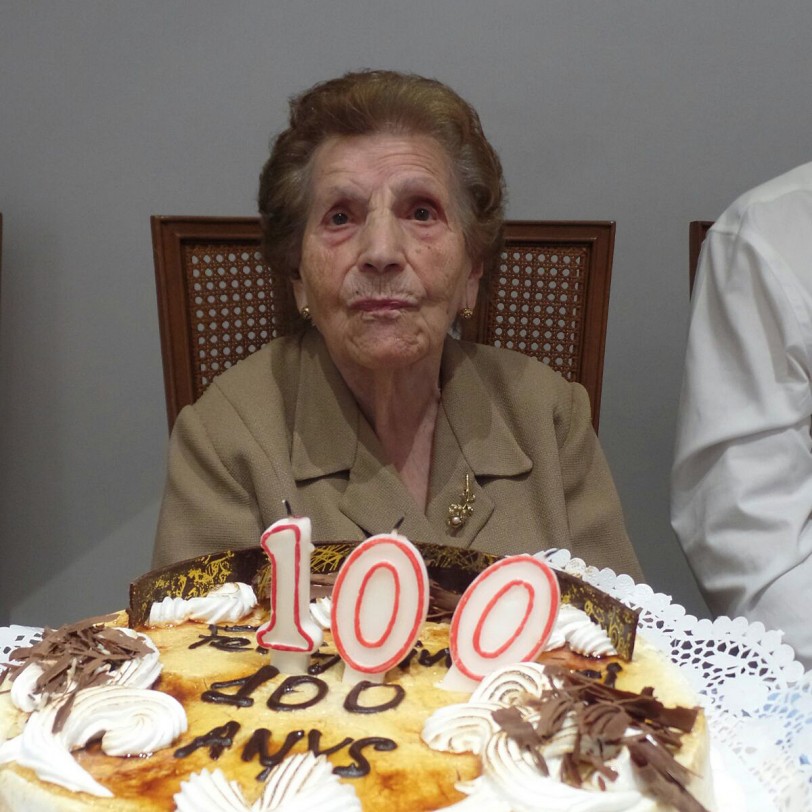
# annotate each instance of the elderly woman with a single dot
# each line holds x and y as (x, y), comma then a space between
(383, 204)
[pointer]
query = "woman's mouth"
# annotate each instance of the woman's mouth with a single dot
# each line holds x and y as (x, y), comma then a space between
(382, 305)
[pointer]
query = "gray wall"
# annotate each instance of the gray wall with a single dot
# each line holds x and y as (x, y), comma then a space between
(648, 112)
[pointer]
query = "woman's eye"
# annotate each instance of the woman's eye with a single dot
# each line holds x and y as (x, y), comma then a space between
(339, 218)
(422, 213)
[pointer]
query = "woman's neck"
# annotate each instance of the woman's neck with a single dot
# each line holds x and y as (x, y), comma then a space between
(401, 406)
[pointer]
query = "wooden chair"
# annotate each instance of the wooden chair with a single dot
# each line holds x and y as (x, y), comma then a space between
(697, 229)
(217, 303)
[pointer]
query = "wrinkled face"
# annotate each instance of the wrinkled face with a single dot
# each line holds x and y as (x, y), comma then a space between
(384, 268)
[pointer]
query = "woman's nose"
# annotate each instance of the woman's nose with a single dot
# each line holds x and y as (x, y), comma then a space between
(381, 244)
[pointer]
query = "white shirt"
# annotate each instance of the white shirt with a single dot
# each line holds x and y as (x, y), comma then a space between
(741, 489)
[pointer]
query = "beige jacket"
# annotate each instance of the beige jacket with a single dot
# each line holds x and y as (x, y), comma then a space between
(283, 425)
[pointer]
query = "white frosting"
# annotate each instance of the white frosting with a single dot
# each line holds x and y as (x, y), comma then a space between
(301, 783)
(320, 611)
(228, 603)
(507, 684)
(209, 792)
(461, 728)
(574, 627)
(131, 721)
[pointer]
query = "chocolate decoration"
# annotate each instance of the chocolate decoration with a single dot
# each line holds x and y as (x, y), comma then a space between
(425, 657)
(612, 670)
(452, 568)
(314, 744)
(360, 767)
(76, 656)
(216, 640)
(217, 740)
(258, 745)
(192, 578)
(291, 684)
(441, 655)
(315, 669)
(352, 705)
(247, 685)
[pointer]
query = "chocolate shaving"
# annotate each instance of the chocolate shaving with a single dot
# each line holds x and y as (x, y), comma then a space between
(663, 777)
(603, 717)
(76, 656)
(523, 733)
(516, 726)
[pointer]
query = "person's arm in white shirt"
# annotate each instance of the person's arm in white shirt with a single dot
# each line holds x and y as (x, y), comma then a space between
(742, 476)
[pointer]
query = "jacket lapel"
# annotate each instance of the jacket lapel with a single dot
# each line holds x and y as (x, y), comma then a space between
(331, 436)
(471, 438)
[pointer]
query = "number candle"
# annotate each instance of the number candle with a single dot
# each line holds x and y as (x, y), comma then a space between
(290, 633)
(505, 616)
(380, 601)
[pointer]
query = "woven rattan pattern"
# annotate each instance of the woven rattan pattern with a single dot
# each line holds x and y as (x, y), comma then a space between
(539, 305)
(235, 306)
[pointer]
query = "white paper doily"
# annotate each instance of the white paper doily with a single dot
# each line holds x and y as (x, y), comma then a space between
(757, 698)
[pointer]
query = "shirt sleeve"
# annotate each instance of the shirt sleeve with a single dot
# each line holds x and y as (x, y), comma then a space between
(741, 483)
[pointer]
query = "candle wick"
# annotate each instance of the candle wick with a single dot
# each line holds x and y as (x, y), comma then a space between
(287, 507)
(398, 523)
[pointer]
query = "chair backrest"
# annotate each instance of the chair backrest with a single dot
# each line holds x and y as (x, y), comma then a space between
(697, 229)
(217, 302)
(549, 298)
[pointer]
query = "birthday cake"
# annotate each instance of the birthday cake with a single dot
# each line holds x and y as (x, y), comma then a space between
(185, 711)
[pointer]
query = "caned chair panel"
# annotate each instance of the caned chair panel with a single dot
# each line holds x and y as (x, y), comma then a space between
(697, 230)
(217, 302)
(548, 297)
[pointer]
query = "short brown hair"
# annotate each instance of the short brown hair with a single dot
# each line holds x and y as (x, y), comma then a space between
(365, 103)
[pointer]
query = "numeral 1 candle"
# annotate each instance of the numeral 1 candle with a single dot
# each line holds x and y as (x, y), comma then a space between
(290, 633)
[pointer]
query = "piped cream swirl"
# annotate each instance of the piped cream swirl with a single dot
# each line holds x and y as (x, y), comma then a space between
(228, 603)
(301, 783)
(574, 627)
(130, 721)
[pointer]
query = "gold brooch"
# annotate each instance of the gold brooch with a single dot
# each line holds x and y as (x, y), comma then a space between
(458, 513)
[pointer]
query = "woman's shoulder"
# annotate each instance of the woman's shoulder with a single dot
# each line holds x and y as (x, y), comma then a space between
(514, 368)
(530, 396)
(261, 380)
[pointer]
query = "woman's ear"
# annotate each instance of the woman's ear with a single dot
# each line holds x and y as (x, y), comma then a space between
(299, 292)
(472, 285)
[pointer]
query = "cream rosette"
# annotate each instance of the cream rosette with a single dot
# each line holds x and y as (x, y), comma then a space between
(301, 783)
(130, 721)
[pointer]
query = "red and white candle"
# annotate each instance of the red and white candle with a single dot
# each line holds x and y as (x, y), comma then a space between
(380, 602)
(505, 616)
(290, 633)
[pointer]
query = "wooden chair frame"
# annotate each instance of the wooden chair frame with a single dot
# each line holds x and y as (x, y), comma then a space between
(517, 323)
